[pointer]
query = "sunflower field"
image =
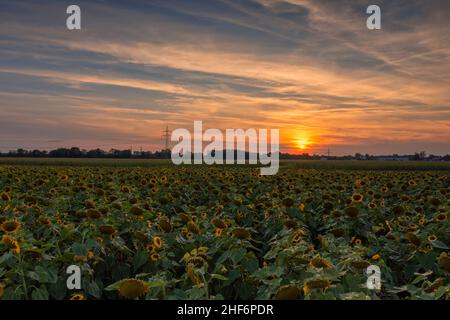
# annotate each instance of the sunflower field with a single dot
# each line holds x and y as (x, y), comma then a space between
(224, 232)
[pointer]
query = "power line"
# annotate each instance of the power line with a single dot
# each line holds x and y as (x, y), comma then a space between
(166, 136)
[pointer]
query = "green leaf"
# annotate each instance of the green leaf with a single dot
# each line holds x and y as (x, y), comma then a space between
(155, 284)
(439, 244)
(237, 255)
(94, 290)
(79, 249)
(139, 259)
(218, 277)
(39, 274)
(39, 294)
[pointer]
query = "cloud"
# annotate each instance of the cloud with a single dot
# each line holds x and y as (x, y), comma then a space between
(308, 67)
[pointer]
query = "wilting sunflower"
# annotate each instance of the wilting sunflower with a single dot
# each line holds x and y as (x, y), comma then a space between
(441, 217)
(107, 229)
(357, 198)
(316, 284)
(132, 288)
(241, 233)
(164, 224)
(359, 264)
(10, 226)
(193, 227)
(77, 296)
(444, 261)
(288, 292)
(219, 223)
(352, 212)
(318, 262)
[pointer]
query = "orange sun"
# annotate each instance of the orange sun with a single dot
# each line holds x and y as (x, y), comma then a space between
(302, 143)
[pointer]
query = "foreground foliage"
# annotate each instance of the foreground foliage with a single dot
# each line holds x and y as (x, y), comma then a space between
(223, 232)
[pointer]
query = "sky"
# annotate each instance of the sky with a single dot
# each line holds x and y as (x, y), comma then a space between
(310, 68)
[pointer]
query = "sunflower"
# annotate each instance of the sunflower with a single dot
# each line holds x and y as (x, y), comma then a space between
(371, 205)
(357, 198)
(422, 221)
(10, 226)
(218, 232)
(93, 213)
(444, 261)
(376, 257)
(441, 217)
(287, 202)
(360, 264)
(155, 257)
(358, 242)
(288, 292)
(189, 235)
(11, 243)
(412, 183)
(5, 197)
(318, 262)
(241, 233)
(136, 210)
(432, 238)
(219, 223)
(193, 227)
(164, 224)
(384, 189)
(77, 296)
(106, 229)
(132, 288)
(157, 242)
(316, 284)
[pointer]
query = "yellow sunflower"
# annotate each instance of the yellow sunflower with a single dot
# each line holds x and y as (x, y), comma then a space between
(132, 288)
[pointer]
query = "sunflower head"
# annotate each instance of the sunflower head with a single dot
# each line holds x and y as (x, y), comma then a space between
(316, 284)
(107, 229)
(10, 226)
(11, 243)
(441, 217)
(357, 198)
(219, 223)
(132, 288)
(288, 292)
(432, 237)
(376, 257)
(77, 296)
(155, 257)
(371, 205)
(352, 212)
(241, 233)
(157, 242)
(218, 232)
(5, 197)
(318, 262)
